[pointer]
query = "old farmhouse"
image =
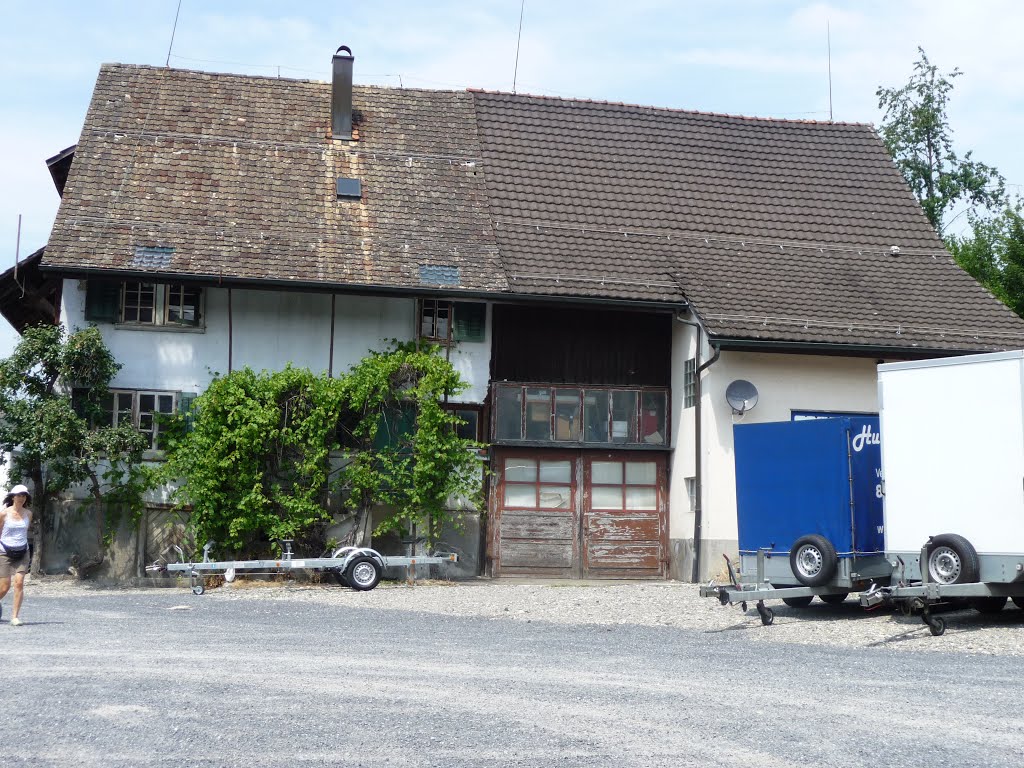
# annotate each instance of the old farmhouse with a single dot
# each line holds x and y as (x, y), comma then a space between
(600, 273)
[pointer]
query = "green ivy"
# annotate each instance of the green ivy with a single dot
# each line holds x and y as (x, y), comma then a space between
(267, 450)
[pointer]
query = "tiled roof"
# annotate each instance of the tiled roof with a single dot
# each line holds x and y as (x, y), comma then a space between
(238, 176)
(774, 230)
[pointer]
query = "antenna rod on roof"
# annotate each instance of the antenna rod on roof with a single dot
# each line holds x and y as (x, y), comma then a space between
(519, 37)
(828, 38)
(173, 30)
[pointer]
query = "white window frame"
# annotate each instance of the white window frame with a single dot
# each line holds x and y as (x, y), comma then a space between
(690, 383)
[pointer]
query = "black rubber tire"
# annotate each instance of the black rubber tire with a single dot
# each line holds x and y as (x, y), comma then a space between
(813, 560)
(937, 626)
(363, 573)
(952, 559)
(834, 599)
(1019, 602)
(339, 576)
(798, 602)
(988, 604)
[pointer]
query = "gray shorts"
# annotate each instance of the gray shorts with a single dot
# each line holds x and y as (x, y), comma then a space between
(10, 566)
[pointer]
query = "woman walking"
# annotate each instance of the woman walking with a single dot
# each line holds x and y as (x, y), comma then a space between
(15, 518)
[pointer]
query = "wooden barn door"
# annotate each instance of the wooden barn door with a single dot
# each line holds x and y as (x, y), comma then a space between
(580, 514)
(625, 516)
(538, 520)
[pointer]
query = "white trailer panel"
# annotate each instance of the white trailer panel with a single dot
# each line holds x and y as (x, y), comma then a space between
(953, 451)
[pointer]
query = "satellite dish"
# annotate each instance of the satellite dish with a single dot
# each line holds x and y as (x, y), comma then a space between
(742, 396)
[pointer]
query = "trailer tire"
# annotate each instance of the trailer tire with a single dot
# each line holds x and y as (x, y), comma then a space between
(992, 604)
(798, 602)
(363, 573)
(835, 599)
(339, 576)
(952, 559)
(813, 560)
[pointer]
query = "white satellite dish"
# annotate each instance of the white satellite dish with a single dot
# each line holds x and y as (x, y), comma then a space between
(742, 396)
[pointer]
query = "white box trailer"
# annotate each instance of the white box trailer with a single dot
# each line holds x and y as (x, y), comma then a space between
(953, 478)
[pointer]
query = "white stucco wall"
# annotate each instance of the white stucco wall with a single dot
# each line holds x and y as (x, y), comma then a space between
(268, 330)
(784, 383)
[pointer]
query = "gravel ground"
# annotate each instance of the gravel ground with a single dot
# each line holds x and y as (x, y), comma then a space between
(647, 604)
(503, 674)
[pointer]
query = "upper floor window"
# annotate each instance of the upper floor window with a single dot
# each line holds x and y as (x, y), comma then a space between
(442, 321)
(596, 415)
(144, 304)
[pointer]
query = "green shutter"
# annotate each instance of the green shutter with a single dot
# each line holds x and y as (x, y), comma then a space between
(470, 322)
(395, 426)
(102, 301)
(186, 407)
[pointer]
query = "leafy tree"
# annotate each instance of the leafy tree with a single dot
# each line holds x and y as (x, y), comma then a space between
(57, 443)
(993, 254)
(916, 131)
(266, 451)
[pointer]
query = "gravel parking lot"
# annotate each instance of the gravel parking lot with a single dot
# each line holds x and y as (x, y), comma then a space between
(668, 604)
(497, 673)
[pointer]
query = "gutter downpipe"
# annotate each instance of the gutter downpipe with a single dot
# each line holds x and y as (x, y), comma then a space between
(698, 504)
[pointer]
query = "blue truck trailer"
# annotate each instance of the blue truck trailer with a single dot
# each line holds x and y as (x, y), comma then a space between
(809, 512)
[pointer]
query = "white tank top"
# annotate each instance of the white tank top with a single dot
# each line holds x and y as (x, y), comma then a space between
(15, 533)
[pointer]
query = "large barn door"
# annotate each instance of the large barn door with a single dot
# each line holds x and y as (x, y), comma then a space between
(580, 514)
(538, 519)
(625, 530)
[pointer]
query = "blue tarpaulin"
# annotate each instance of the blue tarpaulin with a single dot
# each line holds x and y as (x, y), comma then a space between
(819, 476)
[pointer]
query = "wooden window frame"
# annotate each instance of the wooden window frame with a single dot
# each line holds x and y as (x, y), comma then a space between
(632, 441)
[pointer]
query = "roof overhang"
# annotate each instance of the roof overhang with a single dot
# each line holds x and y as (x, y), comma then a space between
(59, 166)
(27, 296)
(309, 286)
(886, 351)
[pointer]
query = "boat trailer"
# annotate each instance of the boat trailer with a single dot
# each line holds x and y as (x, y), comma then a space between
(360, 568)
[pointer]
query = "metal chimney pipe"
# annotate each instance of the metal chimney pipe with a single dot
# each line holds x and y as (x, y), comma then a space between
(341, 93)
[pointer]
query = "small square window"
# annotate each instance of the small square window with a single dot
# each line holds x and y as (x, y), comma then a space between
(182, 305)
(138, 303)
(435, 320)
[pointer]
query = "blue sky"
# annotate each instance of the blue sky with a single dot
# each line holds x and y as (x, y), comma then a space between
(751, 58)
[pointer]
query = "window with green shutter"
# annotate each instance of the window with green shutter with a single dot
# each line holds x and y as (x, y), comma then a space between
(469, 322)
(102, 301)
(396, 426)
(186, 407)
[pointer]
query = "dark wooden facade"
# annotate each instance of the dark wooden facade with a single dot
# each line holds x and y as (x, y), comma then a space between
(560, 508)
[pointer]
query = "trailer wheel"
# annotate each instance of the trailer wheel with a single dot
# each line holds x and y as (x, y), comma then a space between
(339, 576)
(991, 604)
(835, 599)
(798, 602)
(813, 560)
(952, 560)
(363, 573)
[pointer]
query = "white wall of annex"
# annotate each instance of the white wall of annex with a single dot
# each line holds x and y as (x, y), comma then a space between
(268, 329)
(784, 383)
(682, 462)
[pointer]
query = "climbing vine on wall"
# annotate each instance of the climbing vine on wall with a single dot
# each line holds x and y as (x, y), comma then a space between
(264, 452)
